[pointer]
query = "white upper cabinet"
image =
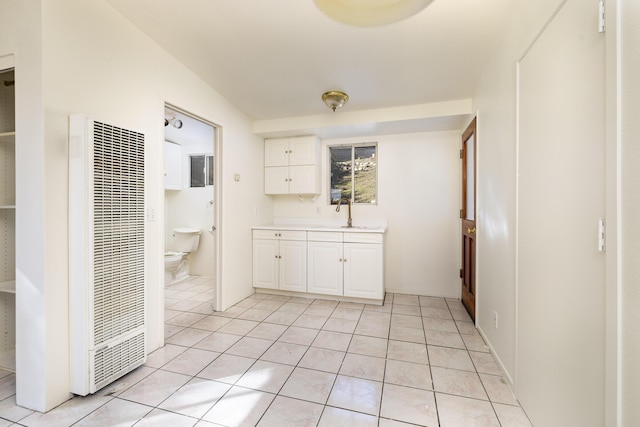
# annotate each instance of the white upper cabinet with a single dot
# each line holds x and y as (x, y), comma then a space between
(172, 166)
(292, 165)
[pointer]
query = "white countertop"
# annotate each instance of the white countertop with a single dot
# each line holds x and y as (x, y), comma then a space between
(323, 227)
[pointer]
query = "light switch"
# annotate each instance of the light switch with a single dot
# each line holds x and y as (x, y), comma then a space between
(236, 177)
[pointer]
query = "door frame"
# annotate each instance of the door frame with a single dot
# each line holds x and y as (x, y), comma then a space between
(468, 227)
(217, 197)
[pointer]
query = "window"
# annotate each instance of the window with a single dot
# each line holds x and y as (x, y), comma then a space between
(354, 173)
(201, 170)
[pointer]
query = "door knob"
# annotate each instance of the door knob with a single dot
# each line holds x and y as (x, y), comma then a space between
(471, 230)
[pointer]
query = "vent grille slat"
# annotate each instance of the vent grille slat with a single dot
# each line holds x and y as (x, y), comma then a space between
(118, 235)
(112, 361)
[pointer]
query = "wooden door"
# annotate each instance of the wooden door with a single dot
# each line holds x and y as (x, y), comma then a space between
(468, 272)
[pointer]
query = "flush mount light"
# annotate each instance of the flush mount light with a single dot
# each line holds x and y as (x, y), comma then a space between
(370, 13)
(334, 99)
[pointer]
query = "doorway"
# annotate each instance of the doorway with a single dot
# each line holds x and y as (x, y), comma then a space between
(468, 216)
(191, 212)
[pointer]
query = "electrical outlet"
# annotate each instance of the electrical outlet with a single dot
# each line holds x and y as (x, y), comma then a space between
(495, 319)
(151, 214)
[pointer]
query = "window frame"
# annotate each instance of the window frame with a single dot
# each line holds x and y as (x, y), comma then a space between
(208, 171)
(353, 147)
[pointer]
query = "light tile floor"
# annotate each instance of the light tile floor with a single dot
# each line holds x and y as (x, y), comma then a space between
(279, 361)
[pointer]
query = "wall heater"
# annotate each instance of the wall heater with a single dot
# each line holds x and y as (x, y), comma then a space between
(106, 253)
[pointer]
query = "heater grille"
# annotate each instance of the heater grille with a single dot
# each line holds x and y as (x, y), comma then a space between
(118, 231)
(112, 362)
(106, 253)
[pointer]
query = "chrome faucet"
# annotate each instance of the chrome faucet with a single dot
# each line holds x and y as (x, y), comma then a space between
(349, 224)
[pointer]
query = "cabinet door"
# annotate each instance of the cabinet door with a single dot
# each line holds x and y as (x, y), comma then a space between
(276, 180)
(302, 151)
(303, 180)
(265, 264)
(293, 265)
(172, 166)
(276, 152)
(324, 268)
(363, 270)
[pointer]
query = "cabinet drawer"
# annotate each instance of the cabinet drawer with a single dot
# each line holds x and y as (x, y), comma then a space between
(363, 237)
(324, 236)
(280, 234)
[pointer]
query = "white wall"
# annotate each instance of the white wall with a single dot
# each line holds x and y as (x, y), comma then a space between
(96, 62)
(495, 101)
(419, 196)
(630, 14)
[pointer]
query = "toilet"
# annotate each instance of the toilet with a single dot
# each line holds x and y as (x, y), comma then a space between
(176, 265)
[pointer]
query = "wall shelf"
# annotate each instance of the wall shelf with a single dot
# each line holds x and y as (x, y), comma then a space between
(8, 137)
(8, 286)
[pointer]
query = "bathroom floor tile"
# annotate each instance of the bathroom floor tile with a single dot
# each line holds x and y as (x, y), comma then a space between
(322, 359)
(461, 383)
(356, 394)
(195, 398)
(332, 340)
(296, 335)
(116, 412)
(407, 351)
(309, 385)
(447, 357)
(332, 417)
(227, 368)
(282, 352)
(409, 405)
(266, 376)
(274, 360)
(239, 407)
(370, 346)
(361, 366)
(155, 388)
(288, 412)
(456, 411)
(191, 361)
(408, 374)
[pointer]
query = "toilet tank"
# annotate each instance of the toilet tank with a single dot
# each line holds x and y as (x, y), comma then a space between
(186, 239)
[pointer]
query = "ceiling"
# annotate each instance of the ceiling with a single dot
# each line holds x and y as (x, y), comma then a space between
(273, 59)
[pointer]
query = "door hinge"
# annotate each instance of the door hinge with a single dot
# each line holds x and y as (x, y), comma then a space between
(601, 17)
(462, 154)
(461, 274)
(602, 235)
(461, 214)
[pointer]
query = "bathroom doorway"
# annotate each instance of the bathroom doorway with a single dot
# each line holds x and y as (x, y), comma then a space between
(191, 212)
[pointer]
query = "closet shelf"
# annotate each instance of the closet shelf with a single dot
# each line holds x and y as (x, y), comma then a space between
(8, 287)
(7, 137)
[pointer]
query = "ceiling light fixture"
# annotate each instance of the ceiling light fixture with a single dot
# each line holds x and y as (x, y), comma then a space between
(370, 13)
(334, 99)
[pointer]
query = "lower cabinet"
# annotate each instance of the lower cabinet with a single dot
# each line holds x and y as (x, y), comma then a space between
(325, 268)
(279, 263)
(363, 270)
(348, 264)
(320, 262)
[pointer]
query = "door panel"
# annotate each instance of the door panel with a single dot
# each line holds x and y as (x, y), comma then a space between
(468, 273)
(560, 273)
